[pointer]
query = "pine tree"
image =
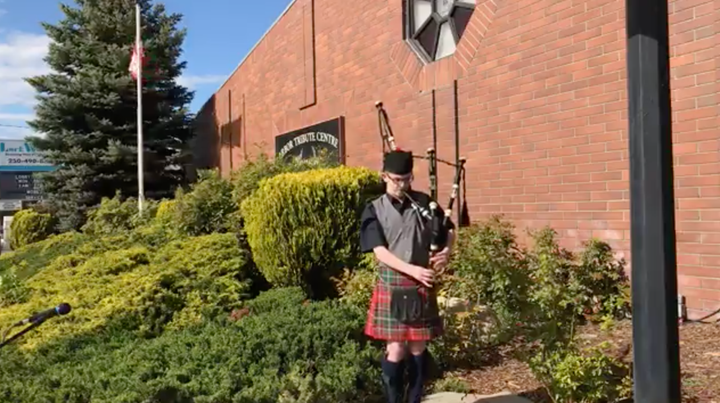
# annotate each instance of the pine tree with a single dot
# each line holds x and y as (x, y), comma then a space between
(87, 106)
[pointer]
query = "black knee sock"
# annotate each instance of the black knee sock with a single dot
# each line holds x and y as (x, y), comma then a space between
(417, 378)
(393, 380)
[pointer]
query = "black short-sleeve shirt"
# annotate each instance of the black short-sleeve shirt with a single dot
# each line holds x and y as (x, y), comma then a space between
(371, 233)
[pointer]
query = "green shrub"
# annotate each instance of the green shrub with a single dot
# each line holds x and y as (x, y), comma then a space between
(247, 178)
(28, 227)
(276, 300)
(562, 290)
(166, 211)
(115, 216)
(542, 294)
(556, 298)
(207, 208)
(488, 267)
(28, 260)
(12, 289)
(209, 273)
(116, 286)
(591, 376)
(310, 353)
(356, 286)
(568, 289)
(604, 283)
(303, 227)
(469, 334)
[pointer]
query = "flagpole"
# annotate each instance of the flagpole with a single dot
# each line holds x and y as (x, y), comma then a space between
(140, 144)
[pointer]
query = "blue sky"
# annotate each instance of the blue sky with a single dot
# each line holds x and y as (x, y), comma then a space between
(220, 34)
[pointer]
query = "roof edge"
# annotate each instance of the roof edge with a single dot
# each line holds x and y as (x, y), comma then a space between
(255, 46)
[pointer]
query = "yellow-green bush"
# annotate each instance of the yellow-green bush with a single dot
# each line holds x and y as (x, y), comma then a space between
(117, 215)
(166, 211)
(208, 207)
(29, 226)
(247, 178)
(26, 261)
(130, 287)
(588, 375)
(303, 228)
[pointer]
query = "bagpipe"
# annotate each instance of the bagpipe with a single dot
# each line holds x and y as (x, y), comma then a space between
(440, 223)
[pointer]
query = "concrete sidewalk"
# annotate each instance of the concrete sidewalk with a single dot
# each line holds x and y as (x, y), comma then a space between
(452, 397)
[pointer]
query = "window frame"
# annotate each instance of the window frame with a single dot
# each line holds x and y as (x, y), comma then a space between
(410, 35)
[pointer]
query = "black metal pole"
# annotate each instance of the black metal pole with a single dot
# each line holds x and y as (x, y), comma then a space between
(433, 190)
(457, 150)
(652, 218)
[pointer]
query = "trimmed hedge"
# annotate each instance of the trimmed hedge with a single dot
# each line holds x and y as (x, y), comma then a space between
(303, 227)
(249, 176)
(29, 226)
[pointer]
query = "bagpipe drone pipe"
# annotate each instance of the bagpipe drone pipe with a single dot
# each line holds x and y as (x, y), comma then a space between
(440, 223)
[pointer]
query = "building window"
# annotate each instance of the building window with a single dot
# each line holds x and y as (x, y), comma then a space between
(436, 26)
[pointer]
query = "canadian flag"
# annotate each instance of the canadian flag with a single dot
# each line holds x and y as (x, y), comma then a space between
(136, 61)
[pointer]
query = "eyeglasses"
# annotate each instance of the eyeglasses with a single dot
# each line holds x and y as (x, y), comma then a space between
(400, 179)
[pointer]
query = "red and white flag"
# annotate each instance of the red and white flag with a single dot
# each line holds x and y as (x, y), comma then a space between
(137, 59)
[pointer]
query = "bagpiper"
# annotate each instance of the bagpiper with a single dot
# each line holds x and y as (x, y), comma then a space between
(403, 310)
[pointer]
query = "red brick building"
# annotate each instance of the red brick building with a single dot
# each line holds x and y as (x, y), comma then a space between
(541, 108)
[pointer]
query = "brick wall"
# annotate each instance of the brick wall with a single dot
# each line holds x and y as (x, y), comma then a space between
(541, 102)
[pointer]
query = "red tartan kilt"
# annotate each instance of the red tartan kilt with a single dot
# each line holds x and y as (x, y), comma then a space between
(381, 325)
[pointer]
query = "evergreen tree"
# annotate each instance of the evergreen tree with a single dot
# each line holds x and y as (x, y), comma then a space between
(87, 106)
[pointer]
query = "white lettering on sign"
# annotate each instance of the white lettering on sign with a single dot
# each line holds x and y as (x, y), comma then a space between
(312, 137)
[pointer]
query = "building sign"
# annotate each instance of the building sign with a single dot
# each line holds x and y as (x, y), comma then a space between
(11, 205)
(19, 155)
(19, 186)
(313, 141)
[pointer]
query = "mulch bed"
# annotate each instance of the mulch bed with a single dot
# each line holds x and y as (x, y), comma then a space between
(699, 355)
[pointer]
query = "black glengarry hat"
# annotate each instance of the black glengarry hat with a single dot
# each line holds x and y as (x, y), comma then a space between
(398, 162)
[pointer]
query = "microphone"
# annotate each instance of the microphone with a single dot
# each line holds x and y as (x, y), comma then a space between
(62, 309)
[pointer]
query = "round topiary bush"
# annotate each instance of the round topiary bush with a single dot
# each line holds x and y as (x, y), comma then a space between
(303, 228)
(29, 226)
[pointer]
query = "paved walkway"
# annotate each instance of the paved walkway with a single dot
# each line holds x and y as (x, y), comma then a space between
(452, 397)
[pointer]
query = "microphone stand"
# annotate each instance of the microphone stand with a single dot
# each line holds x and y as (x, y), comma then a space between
(32, 326)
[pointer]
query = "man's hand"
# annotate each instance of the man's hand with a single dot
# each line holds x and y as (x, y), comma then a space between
(440, 260)
(424, 276)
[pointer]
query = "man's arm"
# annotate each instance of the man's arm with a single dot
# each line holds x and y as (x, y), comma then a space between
(372, 239)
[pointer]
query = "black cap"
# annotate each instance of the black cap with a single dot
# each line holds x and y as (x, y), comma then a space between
(398, 162)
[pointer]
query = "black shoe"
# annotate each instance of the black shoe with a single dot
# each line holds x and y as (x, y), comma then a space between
(393, 380)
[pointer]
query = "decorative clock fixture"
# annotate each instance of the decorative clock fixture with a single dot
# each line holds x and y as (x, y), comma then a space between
(435, 27)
